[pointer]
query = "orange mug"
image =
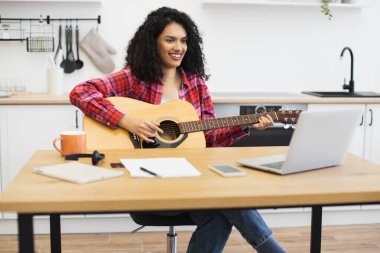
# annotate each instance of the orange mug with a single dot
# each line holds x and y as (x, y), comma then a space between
(72, 142)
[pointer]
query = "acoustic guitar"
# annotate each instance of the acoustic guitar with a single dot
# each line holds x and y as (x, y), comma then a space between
(178, 119)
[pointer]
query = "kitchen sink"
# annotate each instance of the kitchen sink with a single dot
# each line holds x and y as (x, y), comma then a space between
(342, 94)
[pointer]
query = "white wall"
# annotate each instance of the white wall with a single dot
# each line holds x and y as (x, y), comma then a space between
(247, 47)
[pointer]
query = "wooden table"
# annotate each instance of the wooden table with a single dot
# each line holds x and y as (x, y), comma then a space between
(355, 182)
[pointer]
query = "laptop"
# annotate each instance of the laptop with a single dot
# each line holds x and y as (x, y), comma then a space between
(321, 139)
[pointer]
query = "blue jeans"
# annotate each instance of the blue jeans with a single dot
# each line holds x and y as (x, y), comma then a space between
(214, 228)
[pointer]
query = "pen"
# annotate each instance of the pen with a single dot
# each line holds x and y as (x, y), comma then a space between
(150, 172)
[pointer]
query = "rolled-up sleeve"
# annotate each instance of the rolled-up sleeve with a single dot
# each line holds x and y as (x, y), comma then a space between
(90, 97)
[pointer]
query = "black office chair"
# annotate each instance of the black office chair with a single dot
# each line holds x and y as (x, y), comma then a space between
(153, 219)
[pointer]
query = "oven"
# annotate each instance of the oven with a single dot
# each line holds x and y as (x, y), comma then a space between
(277, 135)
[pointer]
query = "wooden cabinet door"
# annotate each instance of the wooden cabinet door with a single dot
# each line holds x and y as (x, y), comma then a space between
(26, 128)
(372, 134)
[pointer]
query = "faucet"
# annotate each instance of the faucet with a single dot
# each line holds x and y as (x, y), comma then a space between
(350, 85)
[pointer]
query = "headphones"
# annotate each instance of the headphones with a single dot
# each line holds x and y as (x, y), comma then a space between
(96, 157)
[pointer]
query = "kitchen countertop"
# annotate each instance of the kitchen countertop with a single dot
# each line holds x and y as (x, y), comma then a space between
(27, 98)
(285, 98)
(218, 97)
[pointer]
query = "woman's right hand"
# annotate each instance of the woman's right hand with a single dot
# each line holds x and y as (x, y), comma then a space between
(145, 129)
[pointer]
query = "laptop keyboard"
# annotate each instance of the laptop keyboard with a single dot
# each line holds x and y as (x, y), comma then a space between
(275, 165)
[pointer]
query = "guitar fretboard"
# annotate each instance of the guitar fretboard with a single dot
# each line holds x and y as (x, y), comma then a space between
(204, 125)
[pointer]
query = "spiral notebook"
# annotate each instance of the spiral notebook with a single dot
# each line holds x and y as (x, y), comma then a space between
(76, 172)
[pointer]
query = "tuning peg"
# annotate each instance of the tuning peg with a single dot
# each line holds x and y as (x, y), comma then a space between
(293, 126)
(286, 126)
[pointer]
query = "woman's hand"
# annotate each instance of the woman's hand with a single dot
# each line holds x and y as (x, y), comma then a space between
(264, 122)
(145, 129)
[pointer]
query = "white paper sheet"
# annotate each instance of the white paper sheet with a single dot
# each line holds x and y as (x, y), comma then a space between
(163, 167)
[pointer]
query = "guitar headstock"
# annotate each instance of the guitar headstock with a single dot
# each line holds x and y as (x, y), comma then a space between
(288, 116)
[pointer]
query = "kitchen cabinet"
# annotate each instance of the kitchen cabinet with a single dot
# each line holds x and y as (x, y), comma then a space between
(360, 146)
(25, 128)
(372, 133)
(366, 142)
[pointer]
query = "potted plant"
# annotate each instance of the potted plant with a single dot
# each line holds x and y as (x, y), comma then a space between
(325, 8)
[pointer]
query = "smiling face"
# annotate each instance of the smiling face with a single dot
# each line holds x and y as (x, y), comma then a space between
(172, 45)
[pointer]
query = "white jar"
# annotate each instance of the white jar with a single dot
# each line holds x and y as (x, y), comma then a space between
(54, 81)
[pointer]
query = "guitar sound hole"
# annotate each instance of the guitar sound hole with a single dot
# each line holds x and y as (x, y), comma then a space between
(171, 130)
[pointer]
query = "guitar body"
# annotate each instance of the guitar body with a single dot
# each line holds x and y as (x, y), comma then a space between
(100, 136)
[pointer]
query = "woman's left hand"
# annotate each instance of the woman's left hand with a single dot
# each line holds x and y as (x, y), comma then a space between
(264, 122)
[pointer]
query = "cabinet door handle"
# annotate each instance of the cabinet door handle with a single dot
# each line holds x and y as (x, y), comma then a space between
(76, 119)
(362, 122)
(371, 118)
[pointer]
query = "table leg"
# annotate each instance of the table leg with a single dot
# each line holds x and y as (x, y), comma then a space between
(25, 233)
(55, 233)
(316, 229)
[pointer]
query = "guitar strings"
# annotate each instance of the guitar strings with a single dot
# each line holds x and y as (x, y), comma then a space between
(175, 127)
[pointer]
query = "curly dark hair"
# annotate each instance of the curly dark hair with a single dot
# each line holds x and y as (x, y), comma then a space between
(142, 55)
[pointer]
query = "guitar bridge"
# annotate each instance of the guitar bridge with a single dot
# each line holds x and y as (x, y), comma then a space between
(135, 139)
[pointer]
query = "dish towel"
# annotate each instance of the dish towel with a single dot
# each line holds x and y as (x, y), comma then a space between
(98, 50)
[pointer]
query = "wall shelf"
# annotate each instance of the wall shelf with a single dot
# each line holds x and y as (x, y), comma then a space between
(280, 3)
(55, 1)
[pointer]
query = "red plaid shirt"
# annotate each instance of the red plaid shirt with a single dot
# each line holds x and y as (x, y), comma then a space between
(89, 97)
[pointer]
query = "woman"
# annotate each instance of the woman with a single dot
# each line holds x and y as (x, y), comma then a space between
(165, 62)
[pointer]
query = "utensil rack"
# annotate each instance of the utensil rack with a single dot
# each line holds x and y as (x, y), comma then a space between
(48, 19)
(39, 39)
(12, 31)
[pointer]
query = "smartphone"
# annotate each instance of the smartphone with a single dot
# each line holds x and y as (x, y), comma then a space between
(226, 170)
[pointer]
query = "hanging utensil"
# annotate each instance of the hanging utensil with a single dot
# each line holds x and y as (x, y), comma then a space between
(62, 65)
(69, 65)
(71, 53)
(78, 62)
(59, 52)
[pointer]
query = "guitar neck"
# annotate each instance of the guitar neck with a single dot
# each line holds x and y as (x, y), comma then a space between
(204, 125)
